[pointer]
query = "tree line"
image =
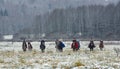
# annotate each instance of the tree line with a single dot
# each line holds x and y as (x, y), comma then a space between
(92, 21)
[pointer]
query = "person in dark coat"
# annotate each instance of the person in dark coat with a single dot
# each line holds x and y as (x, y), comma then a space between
(42, 46)
(91, 45)
(101, 45)
(75, 45)
(24, 45)
(59, 45)
(30, 46)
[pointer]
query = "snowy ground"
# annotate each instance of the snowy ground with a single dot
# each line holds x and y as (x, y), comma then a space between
(12, 57)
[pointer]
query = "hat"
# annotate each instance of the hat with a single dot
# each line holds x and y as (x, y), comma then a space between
(42, 41)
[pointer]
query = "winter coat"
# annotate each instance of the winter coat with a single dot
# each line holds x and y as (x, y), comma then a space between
(24, 46)
(101, 45)
(62, 44)
(57, 44)
(42, 46)
(29, 46)
(91, 45)
(75, 45)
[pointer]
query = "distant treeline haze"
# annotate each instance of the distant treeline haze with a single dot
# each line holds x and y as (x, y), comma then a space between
(94, 21)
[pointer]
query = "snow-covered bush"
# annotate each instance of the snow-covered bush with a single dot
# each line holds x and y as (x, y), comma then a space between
(78, 63)
(117, 50)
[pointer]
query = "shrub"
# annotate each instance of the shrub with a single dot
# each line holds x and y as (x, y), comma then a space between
(21, 60)
(77, 64)
(117, 50)
(1, 61)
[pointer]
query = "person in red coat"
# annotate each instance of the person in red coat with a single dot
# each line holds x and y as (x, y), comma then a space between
(75, 45)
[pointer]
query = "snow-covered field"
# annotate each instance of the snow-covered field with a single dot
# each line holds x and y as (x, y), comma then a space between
(12, 57)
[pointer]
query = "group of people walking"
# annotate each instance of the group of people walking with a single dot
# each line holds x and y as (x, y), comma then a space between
(29, 46)
(59, 45)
